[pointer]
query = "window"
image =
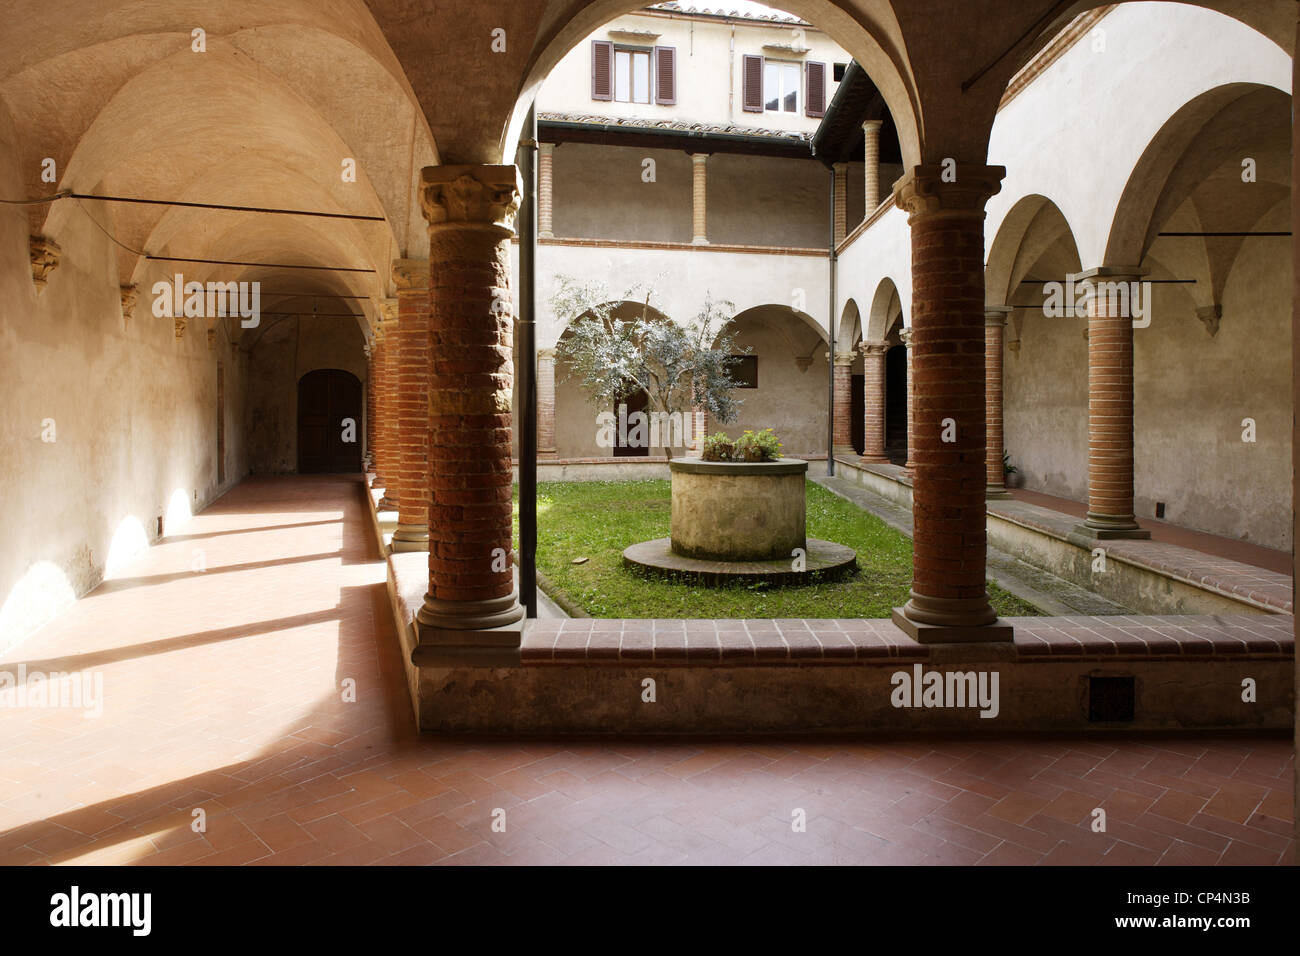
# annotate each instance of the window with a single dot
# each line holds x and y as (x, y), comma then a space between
(744, 371)
(631, 76)
(838, 71)
(780, 86)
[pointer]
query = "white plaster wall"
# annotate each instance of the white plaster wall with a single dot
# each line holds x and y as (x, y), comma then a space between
(682, 277)
(1075, 134)
(134, 411)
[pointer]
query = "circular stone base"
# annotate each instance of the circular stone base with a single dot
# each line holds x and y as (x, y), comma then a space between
(825, 559)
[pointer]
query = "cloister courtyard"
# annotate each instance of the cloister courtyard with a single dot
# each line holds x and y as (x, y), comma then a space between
(590, 432)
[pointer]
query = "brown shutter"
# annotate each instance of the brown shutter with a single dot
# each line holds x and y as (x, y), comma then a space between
(816, 99)
(602, 70)
(752, 84)
(666, 75)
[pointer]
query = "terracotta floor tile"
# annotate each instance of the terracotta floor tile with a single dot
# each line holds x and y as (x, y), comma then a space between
(289, 774)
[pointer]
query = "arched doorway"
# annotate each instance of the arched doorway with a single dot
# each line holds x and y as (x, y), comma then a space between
(329, 422)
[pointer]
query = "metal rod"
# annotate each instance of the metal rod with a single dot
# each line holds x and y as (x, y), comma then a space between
(830, 327)
(267, 265)
(1185, 234)
(223, 206)
(526, 365)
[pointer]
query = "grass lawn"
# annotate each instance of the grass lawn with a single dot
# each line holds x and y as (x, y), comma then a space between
(598, 519)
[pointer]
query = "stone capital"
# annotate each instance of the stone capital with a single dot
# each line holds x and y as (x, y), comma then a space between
(411, 275)
(997, 315)
(45, 254)
(840, 169)
(844, 358)
(546, 148)
(546, 355)
(924, 192)
(906, 335)
(474, 195)
(872, 348)
(699, 159)
(387, 315)
(872, 127)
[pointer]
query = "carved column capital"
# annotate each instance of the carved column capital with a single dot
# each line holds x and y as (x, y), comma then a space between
(906, 335)
(546, 355)
(872, 348)
(130, 295)
(924, 192)
(45, 255)
(411, 275)
(473, 195)
(844, 358)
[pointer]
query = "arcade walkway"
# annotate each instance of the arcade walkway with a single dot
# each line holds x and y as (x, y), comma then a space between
(223, 690)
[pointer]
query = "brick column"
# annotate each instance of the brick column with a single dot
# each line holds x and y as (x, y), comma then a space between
(699, 429)
(545, 186)
(386, 408)
(699, 174)
(368, 458)
(949, 601)
(905, 335)
(995, 322)
(843, 443)
(871, 157)
(1110, 411)
(873, 403)
(471, 613)
(546, 403)
(841, 201)
(411, 277)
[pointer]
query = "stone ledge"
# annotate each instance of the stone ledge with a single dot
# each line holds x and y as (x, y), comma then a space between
(1265, 589)
(843, 641)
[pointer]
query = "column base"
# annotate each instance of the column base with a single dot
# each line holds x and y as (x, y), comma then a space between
(376, 481)
(873, 460)
(386, 504)
(410, 537)
(931, 620)
(699, 241)
(996, 492)
(1098, 527)
(999, 632)
(844, 451)
(547, 454)
(468, 633)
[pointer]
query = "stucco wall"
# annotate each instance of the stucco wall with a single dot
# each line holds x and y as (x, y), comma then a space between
(282, 355)
(600, 193)
(708, 81)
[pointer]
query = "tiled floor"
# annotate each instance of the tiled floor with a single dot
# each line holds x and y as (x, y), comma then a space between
(224, 692)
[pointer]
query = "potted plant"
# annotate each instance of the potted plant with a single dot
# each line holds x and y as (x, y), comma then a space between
(718, 447)
(758, 446)
(1010, 473)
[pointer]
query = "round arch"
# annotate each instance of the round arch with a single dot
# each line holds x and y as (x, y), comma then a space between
(886, 305)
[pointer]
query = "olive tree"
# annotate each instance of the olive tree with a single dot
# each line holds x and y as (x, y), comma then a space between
(680, 367)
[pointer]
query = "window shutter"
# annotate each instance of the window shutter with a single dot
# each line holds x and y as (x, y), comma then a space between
(752, 84)
(666, 75)
(602, 70)
(816, 99)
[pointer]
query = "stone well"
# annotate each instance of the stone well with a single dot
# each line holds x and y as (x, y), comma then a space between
(738, 511)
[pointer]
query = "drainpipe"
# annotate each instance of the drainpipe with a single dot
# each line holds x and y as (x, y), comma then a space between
(830, 328)
(526, 367)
